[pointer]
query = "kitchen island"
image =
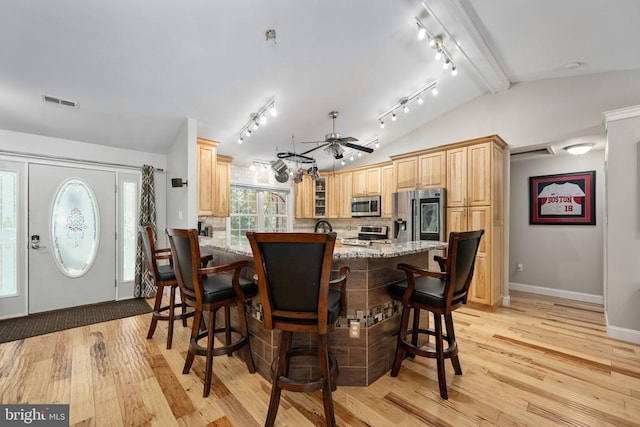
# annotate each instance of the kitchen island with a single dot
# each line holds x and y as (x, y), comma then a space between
(361, 359)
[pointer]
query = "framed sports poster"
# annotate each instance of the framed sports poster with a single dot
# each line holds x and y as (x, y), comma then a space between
(564, 199)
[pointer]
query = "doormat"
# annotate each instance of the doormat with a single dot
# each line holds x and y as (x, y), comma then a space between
(58, 320)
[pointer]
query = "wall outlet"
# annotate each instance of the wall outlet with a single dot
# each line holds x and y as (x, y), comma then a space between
(519, 267)
(354, 330)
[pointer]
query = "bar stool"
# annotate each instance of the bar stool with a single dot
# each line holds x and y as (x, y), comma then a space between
(293, 272)
(439, 293)
(207, 290)
(163, 276)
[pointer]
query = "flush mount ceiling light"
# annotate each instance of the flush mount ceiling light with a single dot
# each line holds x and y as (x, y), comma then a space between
(256, 119)
(579, 148)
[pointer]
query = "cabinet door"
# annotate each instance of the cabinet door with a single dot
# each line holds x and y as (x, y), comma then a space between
(359, 183)
(457, 177)
(479, 218)
(345, 195)
(304, 198)
(206, 176)
(386, 178)
(319, 189)
(456, 220)
(373, 181)
(432, 170)
(332, 196)
(479, 173)
(406, 171)
(222, 188)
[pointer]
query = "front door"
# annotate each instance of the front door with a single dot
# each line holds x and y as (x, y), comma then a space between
(72, 230)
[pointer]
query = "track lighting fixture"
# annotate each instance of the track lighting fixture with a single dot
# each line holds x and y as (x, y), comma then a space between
(256, 119)
(404, 102)
(436, 43)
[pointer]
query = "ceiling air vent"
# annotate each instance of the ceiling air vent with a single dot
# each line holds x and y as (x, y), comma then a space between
(59, 101)
(532, 152)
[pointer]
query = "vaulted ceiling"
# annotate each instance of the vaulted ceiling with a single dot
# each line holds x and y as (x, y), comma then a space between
(137, 69)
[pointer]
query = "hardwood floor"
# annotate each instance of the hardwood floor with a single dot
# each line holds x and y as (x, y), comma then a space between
(543, 361)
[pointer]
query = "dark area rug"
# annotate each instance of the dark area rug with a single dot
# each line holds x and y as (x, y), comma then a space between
(58, 320)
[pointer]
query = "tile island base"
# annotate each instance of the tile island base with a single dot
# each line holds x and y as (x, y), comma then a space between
(363, 359)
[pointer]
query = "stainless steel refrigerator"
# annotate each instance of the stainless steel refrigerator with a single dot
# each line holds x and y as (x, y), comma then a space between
(419, 215)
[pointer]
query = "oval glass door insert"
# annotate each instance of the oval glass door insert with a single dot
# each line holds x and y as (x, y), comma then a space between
(75, 230)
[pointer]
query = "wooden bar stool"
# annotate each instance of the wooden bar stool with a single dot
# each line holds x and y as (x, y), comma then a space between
(293, 272)
(207, 290)
(439, 293)
(163, 276)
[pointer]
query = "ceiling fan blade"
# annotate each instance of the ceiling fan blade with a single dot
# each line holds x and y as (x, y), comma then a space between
(315, 148)
(358, 147)
(347, 139)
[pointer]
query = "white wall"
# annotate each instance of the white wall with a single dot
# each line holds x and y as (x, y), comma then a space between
(564, 258)
(182, 208)
(622, 270)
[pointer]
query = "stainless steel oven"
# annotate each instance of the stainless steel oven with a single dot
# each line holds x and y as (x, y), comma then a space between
(365, 206)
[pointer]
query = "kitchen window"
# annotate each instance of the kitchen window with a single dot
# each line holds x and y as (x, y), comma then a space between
(257, 209)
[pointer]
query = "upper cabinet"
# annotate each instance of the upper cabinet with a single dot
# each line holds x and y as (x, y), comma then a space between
(214, 180)
(207, 166)
(425, 169)
(320, 197)
(365, 182)
(432, 170)
(469, 175)
(304, 198)
(222, 187)
(387, 188)
(406, 172)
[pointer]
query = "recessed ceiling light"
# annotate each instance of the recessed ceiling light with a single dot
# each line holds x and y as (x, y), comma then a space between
(572, 65)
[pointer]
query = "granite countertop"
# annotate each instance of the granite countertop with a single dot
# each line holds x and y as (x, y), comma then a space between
(389, 250)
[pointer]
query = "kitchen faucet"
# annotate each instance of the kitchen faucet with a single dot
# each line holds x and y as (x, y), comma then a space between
(323, 225)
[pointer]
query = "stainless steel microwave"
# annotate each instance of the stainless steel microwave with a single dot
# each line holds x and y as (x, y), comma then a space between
(365, 206)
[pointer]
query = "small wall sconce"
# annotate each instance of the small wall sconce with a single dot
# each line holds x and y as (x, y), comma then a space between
(178, 182)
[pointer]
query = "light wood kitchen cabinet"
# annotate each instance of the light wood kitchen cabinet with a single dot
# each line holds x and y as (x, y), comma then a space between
(432, 170)
(333, 199)
(320, 197)
(222, 186)
(365, 182)
(359, 183)
(373, 181)
(345, 194)
(206, 166)
(387, 187)
(406, 173)
(421, 170)
(469, 176)
(475, 199)
(304, 198)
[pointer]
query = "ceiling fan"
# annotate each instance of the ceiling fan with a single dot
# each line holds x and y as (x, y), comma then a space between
(333, 142)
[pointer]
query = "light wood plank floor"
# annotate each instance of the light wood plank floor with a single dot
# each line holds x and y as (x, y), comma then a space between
(542, 361)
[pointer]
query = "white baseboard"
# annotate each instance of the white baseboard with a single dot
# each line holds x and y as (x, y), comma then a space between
(623, 334)
(578, 296)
